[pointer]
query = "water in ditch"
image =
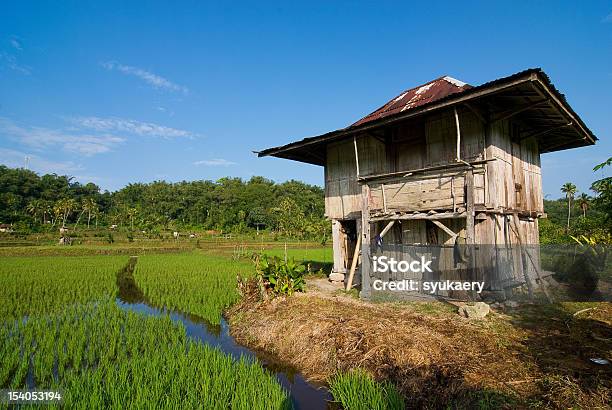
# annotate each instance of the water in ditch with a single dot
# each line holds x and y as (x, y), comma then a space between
(304, 395)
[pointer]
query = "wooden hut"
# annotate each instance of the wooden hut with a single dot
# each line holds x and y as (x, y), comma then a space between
(446, 163)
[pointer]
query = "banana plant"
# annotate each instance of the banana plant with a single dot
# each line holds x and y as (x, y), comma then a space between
(282, 278)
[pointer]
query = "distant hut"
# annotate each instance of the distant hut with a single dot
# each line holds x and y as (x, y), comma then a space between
(441, 165)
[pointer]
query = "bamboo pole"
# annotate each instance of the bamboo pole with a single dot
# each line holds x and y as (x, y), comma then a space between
(517, 230)
(349, 282)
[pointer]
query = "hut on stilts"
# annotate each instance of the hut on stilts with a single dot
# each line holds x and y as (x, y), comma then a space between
(446, 170)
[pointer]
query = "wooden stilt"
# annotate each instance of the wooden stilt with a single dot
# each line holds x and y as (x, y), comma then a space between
(366, 266)
(349, 282)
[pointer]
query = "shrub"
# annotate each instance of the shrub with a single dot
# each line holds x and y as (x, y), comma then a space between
(283, 278)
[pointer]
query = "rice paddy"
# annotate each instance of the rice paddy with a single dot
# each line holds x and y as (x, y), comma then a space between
(61, 329)
(201, 285)
(100, 356)
(39, 285)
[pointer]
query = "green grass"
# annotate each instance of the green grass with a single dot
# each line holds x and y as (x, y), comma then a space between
(202, 285)
(100, 356)
(357, 390)
(37, 285)
(319, 254)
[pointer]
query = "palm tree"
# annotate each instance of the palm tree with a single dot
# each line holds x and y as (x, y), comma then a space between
(96, 213)
(47, 210)
(65, 207)
(584, 202)
(131, 213)
(90, 206)
(34, 208)
(569, 190)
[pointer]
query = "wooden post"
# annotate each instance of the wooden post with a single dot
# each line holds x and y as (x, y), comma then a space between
(470, 235)
(349, 282)
(522, 244)
(337, 247)
(387, 228)
(356, 155)
(382, 187)
(458, 154)
(444, 228)
(469, 201)
(366, 263)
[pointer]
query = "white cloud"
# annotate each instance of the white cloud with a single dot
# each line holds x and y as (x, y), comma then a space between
(10, 61)
(40, 138)
(150, 78)
(216, 162)
(607, 19)
(17, 159)
(146, 129)
(15, 43)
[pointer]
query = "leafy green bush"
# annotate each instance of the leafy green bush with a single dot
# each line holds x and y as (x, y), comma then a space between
(283, 278)
(357, 390)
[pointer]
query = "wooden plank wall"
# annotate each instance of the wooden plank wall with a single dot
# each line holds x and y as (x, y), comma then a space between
(424, 192)
(501, 192)
(342, 191)
(420, 193)
(527, 176)
(441, 135)
(515, 173)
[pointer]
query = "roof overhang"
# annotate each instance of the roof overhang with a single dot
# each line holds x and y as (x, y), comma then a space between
(528, 97)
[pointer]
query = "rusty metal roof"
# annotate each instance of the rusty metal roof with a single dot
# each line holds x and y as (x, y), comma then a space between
(415, 97)
(565, 131)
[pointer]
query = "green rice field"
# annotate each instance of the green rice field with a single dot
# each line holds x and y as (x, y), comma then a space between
(194, 283)
(99, 356)
(31, 286)
(61, 329)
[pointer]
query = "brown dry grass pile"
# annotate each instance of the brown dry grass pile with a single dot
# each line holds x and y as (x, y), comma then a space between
(431, 354)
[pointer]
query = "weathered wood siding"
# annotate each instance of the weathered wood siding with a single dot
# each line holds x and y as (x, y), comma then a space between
(342, 191)
(515, 175)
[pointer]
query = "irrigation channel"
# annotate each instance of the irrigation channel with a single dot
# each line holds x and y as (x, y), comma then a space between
(304, 395)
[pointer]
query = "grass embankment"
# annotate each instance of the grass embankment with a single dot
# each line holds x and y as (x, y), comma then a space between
(62, 330)
(534, 356)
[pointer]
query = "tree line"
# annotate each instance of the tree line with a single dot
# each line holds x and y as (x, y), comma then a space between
(30, 201)
(577, 214)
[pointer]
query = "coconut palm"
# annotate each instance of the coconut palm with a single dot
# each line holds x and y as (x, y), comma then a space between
(90, 206)
(584, 202)
(65, 207)
(34, 208)
(96, 213)
(47, 210)
(131, 213)
(569, 190)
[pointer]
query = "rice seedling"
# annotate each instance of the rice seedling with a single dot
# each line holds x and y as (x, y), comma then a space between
(357, 390)
(103, 357)
(198, 284)
(36, 285)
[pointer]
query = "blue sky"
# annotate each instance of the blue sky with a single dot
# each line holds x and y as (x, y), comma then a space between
(119, 92)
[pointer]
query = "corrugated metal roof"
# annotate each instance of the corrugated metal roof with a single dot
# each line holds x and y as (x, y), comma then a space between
(416, 97)
(446, 92)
